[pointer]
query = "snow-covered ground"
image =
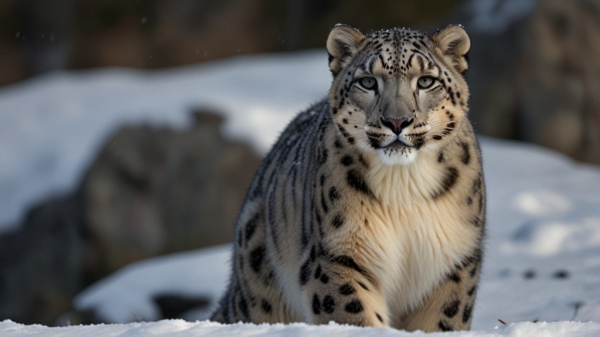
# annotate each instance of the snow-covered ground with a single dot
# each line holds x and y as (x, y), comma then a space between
(181, 328)
(543, 246)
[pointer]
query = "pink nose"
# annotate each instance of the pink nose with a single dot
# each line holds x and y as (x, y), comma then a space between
(396, 125)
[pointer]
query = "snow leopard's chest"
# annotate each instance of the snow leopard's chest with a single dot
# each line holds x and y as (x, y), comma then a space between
(411, 242)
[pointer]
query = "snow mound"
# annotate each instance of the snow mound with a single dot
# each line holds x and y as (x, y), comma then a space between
(180, 328)
(126, 295)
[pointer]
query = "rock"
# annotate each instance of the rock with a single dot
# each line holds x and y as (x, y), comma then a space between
(40, 264)
(172, 306)
(559, 75)
(535, 72)
(154, 191)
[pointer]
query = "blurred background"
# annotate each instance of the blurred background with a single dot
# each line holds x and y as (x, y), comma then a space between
(150, 189)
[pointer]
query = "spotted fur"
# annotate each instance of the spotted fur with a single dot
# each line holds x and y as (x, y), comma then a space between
(370, 208)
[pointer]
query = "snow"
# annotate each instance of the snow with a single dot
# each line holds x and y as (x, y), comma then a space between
(543, 221)
(181, 328)
(51, 127)
(542, 258)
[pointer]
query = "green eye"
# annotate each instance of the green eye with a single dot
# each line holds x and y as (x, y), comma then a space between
(425, 82)
(368, 83)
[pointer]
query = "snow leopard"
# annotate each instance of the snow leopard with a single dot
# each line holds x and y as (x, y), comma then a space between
(369, 209)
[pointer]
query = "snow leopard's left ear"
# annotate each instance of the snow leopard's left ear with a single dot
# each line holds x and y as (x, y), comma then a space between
(454, 43)
(343, 43)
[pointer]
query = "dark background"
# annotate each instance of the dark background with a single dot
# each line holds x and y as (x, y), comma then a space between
(534, 76)
(43, 35)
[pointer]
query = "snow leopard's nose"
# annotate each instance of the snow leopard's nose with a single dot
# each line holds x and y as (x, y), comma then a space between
(396, 125)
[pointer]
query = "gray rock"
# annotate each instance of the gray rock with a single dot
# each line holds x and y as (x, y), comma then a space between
(40, 264)
(535, 72)
(154, 191)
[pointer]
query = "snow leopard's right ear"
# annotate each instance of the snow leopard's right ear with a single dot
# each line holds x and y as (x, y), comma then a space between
(343, 42)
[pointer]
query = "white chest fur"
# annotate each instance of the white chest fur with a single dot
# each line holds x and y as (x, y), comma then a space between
(411, 241)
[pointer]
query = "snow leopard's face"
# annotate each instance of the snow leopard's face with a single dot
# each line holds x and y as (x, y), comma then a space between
(398, 92)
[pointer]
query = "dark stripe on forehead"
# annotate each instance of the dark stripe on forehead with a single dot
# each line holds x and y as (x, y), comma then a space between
(363, 65)
(367, 64)
(371, 64)
(408, 63)
(426, 57)
(383, 64)
(437, 66)
(421, 60)
(421, 63)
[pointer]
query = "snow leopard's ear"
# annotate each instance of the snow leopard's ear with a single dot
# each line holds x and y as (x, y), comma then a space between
(454, 43)
(343, 42)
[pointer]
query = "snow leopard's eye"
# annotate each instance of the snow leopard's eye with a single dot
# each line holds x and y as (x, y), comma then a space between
(425, 82)
(368, 83)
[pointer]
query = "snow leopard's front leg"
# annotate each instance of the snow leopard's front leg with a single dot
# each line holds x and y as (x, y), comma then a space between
(450, 306)
(336, 288)
(253, 294)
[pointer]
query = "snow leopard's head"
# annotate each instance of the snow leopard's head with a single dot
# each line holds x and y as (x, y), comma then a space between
(398, 92)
